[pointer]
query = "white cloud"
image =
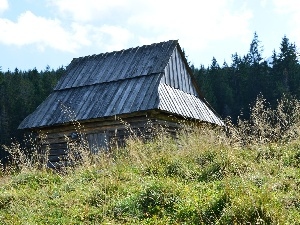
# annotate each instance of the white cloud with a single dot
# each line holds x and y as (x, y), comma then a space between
(87, 10)
(104, 25)
(3, 5)
(287, 6)
(31, 29)
(263, 3)
(41, 32)
(194, 23)
(290, 9)
(116, 37)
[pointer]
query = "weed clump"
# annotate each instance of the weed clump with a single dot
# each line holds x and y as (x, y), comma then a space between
(267, 125)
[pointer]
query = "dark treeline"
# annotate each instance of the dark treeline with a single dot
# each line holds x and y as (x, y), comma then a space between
(232, 88)
(20, 93)
(229, 88)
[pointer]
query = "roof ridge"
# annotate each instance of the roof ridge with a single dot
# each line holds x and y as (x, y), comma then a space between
(121, 50)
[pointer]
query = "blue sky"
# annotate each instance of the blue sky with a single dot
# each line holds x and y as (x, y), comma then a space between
(37, 33)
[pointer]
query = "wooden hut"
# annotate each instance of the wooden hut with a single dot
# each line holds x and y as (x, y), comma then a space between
(137, 85)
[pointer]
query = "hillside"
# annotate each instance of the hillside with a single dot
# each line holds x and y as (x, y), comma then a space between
(248, 173)
(229, 87)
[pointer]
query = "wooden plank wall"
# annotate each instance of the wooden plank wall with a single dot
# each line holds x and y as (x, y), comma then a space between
(99, 136)
(176, 75)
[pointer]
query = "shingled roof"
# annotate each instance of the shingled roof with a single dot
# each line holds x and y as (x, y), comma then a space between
(122, 82)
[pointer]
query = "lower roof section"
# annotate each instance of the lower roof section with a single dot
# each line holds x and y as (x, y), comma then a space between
(189, 106)
(96, 101)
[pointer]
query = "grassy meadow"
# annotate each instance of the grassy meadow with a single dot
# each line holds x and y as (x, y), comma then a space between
(247, 173)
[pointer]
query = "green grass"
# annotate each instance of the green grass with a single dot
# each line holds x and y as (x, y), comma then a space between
(205, 176)
(197, 179)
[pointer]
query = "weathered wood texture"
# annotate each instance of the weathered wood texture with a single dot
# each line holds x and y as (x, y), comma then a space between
(148, 84)
(177, 76)
(101, 135)
(123, 82)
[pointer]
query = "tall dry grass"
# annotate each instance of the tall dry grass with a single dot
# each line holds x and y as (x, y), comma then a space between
(237, 174)
(267, 124)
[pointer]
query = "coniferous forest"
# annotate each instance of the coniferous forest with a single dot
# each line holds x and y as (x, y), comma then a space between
(230, 87)
(20, 93)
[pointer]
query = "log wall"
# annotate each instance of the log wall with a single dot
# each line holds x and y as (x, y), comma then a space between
(62, 142)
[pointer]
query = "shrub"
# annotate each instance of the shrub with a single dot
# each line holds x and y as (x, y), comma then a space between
(268, 125)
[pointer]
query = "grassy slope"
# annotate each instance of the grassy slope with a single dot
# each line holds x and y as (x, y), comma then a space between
(198, 179)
